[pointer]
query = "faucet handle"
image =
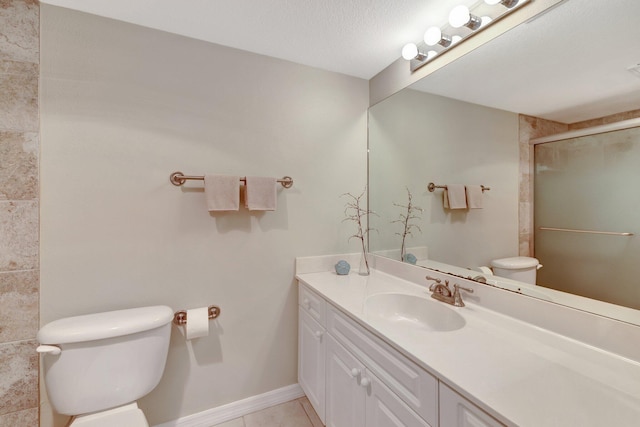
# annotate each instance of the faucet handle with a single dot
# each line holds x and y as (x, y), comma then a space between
(456, 287)
(433, 285)
(457, 299)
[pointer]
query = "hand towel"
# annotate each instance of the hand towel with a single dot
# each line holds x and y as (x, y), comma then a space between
(474, 196)
(455, 197)
(260, 193)
(222, 192)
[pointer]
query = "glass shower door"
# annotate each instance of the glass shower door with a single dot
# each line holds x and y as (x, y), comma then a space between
(586, 188)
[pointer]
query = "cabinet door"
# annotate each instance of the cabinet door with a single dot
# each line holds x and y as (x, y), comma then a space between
(311, 360)
(345, 404)
(456, 411)
(386, 409)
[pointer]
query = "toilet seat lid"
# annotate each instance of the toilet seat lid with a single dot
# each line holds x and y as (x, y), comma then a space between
(128, 416)
(515, 263)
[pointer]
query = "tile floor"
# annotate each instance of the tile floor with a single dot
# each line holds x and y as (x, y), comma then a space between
(296, 413)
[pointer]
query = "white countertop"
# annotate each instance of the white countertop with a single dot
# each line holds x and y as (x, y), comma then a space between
(521, 374)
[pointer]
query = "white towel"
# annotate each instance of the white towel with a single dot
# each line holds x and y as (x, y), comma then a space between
(260, 193)
(474, 196)
(455, 197)
(222, 192)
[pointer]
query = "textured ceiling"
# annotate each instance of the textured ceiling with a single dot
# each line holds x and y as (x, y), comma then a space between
(355, 37)
(568, 65)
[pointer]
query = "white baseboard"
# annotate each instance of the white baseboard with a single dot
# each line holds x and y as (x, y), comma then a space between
(234, 410)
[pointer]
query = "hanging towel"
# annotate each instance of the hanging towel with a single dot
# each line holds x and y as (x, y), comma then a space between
(474, 196)
(222, 192)
(260, 193)
(455, 197)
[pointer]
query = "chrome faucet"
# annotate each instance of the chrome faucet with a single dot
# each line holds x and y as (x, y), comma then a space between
(443, 292)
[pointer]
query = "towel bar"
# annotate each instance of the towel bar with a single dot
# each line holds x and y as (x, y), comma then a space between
(178, 178)
(432, 187)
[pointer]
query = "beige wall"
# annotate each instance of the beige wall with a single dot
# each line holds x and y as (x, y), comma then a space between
(122, 108)
(19, 270)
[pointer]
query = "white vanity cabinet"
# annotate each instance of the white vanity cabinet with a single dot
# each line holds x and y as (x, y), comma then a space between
(354, 379)
(311, 349)
(456, 411)
(355, 397)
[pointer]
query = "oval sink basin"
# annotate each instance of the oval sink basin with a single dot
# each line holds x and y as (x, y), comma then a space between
(412, 311)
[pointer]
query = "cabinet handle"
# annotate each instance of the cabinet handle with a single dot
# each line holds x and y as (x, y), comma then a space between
(355, 372)
(318, 334)
(365, 382)
(306, 303)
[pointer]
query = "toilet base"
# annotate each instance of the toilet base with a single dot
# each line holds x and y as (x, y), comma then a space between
(123, 416)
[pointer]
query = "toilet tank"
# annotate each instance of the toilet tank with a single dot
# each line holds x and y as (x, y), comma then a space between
(521, 268)
(106, 359)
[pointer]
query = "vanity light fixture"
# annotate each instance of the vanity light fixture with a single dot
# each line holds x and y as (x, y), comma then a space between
(506, 3)
(460, 16)
(410, 51)
(475, 17)
(434, 36)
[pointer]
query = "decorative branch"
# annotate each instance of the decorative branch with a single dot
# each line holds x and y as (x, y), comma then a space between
(411, 212)
(354, 212)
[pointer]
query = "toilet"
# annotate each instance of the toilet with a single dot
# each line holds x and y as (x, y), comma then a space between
(521, 268)
(96, 366)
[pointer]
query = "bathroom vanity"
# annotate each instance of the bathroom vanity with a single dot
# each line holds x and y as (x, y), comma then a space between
(378, 351)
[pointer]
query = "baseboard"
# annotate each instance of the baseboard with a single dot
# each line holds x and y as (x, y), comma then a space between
(234, 410)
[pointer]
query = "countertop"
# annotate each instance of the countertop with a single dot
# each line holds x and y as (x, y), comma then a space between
(521, 374)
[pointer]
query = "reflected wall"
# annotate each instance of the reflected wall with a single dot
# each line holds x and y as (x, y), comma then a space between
(416, 138)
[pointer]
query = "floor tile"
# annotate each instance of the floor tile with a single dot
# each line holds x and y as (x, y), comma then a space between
(290, 414)
(311, 413)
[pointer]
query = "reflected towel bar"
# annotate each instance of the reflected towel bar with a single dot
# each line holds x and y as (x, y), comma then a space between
(178, 178)
(612, 233)
(432, 187)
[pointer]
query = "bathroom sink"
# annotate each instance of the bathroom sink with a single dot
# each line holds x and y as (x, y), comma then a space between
(412, 311)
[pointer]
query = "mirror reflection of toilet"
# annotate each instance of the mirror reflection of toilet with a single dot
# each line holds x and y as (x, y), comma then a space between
(96, 366)
(520, 268)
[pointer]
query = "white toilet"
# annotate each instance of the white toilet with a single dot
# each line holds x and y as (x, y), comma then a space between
(521, 268)
(96, 366)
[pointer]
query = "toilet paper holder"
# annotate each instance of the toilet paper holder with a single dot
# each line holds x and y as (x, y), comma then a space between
(180, 317)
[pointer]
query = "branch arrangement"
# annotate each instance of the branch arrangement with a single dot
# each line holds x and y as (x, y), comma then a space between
(411, 212)
(354, 212)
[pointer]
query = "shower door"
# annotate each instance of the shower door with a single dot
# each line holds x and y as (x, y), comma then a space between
(586, 216)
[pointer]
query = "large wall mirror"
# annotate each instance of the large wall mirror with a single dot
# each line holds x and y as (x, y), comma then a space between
(472, 122)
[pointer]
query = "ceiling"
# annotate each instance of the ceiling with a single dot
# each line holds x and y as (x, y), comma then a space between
(568, 65)
(355, 37)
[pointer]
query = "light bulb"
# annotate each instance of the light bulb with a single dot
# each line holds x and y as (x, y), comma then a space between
(461, 17)
(409, 51)
(492, 2)
(434, 36)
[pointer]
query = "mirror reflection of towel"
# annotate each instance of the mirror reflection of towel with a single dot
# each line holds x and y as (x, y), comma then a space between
(474, 196)
(455, 197)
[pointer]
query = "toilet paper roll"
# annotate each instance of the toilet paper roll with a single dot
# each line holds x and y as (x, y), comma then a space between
(485, 270)
(197, 323)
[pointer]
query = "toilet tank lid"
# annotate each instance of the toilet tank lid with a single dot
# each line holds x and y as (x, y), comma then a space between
(515, 263)
(104, 325)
